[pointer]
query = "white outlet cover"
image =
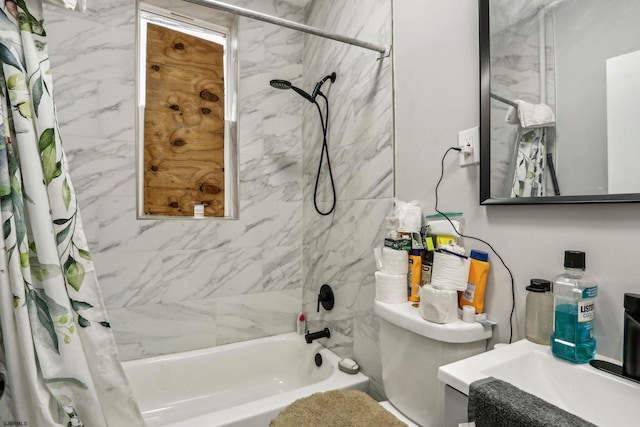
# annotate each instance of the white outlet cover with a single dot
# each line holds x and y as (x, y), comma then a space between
(471, 136)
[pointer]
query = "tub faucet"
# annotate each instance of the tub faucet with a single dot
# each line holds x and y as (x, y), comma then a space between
(310, 336)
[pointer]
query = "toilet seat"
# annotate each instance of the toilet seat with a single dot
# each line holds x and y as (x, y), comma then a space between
(389, 407)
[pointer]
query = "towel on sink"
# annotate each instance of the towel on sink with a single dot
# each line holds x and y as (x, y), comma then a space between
(496, 403)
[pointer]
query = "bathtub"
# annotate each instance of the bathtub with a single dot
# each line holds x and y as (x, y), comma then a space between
(243, 384)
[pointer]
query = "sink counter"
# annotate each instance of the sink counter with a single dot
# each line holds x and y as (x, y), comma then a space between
(601, 398)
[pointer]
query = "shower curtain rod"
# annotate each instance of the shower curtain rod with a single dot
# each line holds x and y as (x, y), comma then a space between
(383, 51)
(501, 99)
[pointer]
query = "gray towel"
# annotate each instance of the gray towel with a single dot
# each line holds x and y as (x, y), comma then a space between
(495, 403)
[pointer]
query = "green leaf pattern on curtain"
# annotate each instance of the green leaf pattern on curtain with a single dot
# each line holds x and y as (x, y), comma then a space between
(60, 355)
(528, 179)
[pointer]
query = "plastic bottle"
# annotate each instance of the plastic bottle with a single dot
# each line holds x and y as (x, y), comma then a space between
(573, 311)
(478, 271)
(631, 341)
(414, 280)
(301, 324)
(538, 324)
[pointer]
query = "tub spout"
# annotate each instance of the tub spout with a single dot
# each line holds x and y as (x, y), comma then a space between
(310, 336)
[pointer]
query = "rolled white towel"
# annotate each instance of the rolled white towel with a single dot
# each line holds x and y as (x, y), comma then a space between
(535, 115)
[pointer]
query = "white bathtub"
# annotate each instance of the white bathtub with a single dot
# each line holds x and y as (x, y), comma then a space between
(243, 384)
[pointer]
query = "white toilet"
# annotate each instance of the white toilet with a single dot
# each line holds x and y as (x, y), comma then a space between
(411, 350)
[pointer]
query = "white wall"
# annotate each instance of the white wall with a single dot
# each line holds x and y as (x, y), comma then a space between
(436, 78)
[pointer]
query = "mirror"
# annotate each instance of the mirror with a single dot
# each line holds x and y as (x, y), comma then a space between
(573, 66)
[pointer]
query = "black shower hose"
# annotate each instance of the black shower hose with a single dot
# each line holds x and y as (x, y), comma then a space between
(324, 122)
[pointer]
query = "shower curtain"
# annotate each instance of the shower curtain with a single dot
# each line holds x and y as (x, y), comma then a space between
(57, 354)
(528, 177)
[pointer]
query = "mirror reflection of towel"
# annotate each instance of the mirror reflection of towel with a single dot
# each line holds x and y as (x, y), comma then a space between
(531, 115)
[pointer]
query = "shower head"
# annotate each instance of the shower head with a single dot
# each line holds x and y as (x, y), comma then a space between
(280, 84)
(284, 84)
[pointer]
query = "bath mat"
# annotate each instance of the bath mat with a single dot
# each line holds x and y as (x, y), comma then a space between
(336, 408)
(496, 403)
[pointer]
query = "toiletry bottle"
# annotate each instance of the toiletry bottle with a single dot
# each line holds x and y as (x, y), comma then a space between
(414, 279)
(631, 341)
(427, 266)
(301, 324)
(573, 311)
(477, 283)
(538, 323)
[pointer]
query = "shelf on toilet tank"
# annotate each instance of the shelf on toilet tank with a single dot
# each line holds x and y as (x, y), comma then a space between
(598, 397)
(406, 316)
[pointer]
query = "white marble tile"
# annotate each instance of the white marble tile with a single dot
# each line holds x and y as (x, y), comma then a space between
(273, 178)
(282, 268)
(155, 329)
(100, 167)
(264, 224)
(129, 279)
(76, 99)
(191, 275)
(366, 349)
(79, 47)
(120, 230)
(167, 297)
(283, 135)
(257, 315)
(116, 117)
(250, 132)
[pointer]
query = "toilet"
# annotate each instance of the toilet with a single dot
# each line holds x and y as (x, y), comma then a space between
(411, 350)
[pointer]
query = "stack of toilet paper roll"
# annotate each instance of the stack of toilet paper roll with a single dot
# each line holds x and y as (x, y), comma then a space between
(450, 274)
(391, 277)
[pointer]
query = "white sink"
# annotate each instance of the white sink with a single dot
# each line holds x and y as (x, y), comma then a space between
(598, 397)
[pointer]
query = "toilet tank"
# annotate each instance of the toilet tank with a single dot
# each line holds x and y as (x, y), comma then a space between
(412, 349)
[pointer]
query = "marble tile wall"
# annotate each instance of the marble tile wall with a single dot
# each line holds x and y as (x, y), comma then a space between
(177, 285)
(515, 75)
(337, 248)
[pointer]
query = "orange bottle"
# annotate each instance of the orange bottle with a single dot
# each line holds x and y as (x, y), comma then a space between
(414, 280)
(478, 271)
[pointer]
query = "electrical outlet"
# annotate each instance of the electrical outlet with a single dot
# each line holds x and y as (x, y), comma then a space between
(469, 141)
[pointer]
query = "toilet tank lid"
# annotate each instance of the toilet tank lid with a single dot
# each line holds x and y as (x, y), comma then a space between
(408, 317)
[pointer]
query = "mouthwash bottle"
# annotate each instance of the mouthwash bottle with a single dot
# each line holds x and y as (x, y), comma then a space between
(573, 311)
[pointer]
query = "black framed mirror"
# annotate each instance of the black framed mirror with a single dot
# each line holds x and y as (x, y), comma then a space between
(559, 101)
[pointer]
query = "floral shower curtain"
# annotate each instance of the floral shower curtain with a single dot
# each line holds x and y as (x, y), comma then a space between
(57, 353)
(528, 177)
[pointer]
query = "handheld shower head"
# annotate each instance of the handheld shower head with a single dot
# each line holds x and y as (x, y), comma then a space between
(284, 84)
(280, 84)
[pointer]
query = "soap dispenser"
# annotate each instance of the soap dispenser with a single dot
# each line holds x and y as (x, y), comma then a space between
(631, 341)
(538, 324)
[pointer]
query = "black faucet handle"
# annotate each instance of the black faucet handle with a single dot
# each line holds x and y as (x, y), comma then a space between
(325, 297)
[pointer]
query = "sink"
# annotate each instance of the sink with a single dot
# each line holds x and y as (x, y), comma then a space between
(598, 397)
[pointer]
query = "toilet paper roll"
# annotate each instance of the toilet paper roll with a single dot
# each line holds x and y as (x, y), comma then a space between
(468, 313)
(450, 271)
(438, 305)
(391, 288)
(395, 262)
